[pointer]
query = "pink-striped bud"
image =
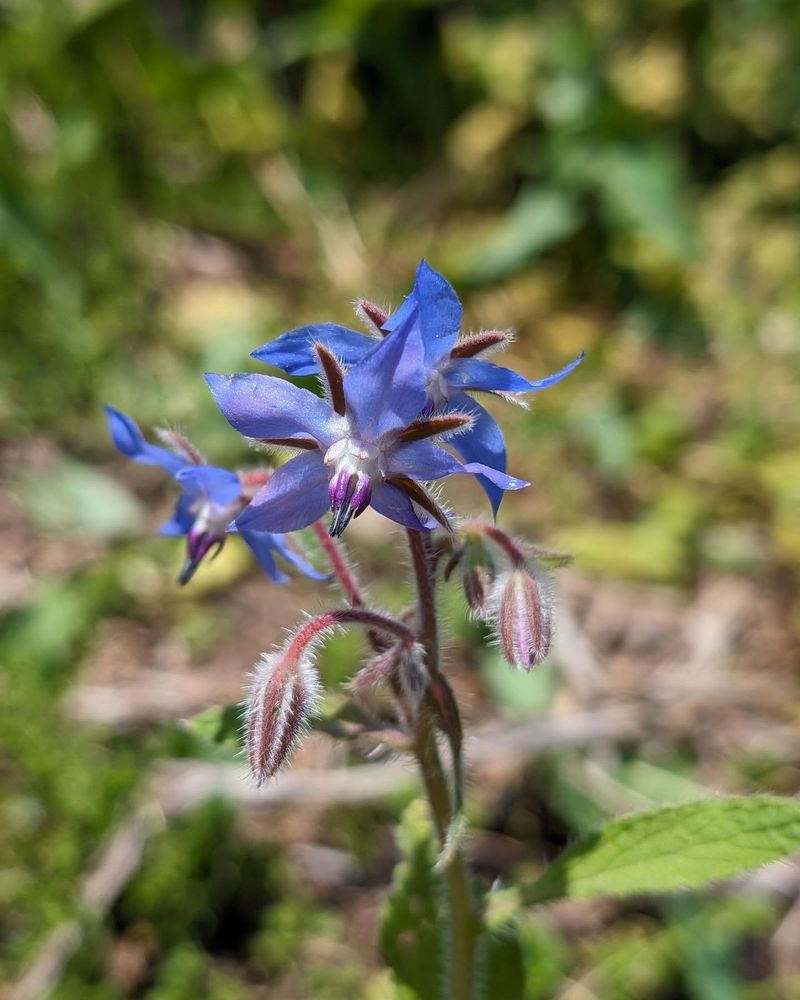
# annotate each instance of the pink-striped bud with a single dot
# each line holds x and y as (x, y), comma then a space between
(284, 694)
(523, 616)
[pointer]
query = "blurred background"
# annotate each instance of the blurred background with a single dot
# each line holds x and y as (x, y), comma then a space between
(179, 183)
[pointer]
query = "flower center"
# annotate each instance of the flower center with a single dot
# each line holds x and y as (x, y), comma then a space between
(355, 467)
(436, 388)
(207, 530)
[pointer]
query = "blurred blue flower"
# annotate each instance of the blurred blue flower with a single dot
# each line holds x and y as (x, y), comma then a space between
(453, 367)
(211, 498)
(371, 441)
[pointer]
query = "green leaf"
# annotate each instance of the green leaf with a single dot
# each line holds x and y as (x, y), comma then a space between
(411, 937)
(75, 497)
(643, 189)
(501, 963)
(535, 222)
(677, 847)
(516, 692)
(217, 732)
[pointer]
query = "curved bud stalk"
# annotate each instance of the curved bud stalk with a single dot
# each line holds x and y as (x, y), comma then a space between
(285, 692)
(523, 616)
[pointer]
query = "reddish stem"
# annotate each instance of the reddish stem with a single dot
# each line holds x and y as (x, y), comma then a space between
(339, 564)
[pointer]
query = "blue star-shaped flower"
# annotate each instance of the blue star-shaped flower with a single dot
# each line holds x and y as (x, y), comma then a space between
(211, 499)
(452, 367)
(371, 442)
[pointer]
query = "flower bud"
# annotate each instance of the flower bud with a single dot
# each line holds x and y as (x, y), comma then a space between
(285, 693)
(523, 616)
(477, 581)
(379, 669)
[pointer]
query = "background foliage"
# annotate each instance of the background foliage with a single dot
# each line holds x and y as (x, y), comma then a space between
(181, 182)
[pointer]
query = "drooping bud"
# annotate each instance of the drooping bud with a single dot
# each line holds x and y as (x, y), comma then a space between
(523, 616)
(413, 676)
(478, 571)
(285, 693)
(379, 669)
(477, 582)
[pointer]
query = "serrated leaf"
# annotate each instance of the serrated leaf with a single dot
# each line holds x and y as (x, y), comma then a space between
(411, 937)
(677, 847)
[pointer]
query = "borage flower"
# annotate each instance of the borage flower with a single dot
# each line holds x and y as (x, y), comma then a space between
(365, 444)
(211, 499)
(453, 367)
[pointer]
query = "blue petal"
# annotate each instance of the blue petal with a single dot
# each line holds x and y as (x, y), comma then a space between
(295, 495)
(218, 485)
(421, 460)
(262, 544)
(393, 503)
(130, 441)
(294, 350)
(296, 560)
(385, 391)
(182, 518)
(482, 443)
(439, 314)
(424, 460)
(261, 406)
(475, 373)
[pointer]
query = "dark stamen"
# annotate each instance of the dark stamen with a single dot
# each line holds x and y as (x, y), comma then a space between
(374, 315)
(434, 425)
(334, 376)
(421, 496)
(477, 343)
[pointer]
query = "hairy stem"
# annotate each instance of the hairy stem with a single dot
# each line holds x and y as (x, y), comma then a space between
(339, 564)
(464, 918)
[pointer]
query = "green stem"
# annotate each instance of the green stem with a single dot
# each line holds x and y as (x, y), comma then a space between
(465, 920)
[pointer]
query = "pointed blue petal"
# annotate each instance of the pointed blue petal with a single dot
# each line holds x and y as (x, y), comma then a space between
(130, 441)
(261, 406)
(421, 460)
(393, 503)
(294, 350)
(482, 443)
(385, 391)
(297, 560)
(262, 545)
(424, 460)
(218, 485)
(295, 495)
(439, 313)
(182, 518)
(475, 373)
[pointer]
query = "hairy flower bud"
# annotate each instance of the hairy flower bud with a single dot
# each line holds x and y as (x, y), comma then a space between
(477, 581)
(285, 693)
(379, 669)
(523, 616)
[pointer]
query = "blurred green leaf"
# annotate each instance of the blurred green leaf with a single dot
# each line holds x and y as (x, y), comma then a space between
(217, 729)
(515, 691)
(643, 188)
(677, 847)
(411, 934)
(77, 498)
(535, 222)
